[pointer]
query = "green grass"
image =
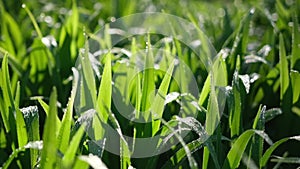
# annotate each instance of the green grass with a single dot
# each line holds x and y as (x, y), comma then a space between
(59, 103)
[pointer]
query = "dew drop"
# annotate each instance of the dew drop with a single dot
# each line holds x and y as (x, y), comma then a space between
(252, 11)
(112, 19)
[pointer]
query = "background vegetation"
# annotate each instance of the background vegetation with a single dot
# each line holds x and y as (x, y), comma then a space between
(40, 42)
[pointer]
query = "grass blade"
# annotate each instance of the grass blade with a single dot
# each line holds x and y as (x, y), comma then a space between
(47, 53)
(93, 161)
(205, 158)
(289, 160)
(235, 110)
(69, 156)
(36, 145)
(104, 99)
(212, 116)
(267, 154)
(148, 85)
(12, 61)
(65, 129)
(235, 154)
(205, 91)
(256, 149)
(79, 164)
(91, 118)
(49, 137)
(46, 109)
(88, 76)
(269, 151)
(32, 18)
(10, 30)
(7, 94)
(272, 113)
(240, 42)
(138, 90)
(295, 80)
(295, 60)
(20, 122)
(216, 78)
(31, 117)
(21, 128)
(192, 163)
(105, 90)
(157, 106)
(284, 72)
(124, 148)
(180, 155)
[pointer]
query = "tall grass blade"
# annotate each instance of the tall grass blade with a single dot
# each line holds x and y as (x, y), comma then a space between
(12, 34)
(48, 156)
(205, 91)
(40, 36)
(70, 154)
(270, 150)
(79, 164)
(192, 163)
(256, 149)
(284, 72)
(46, 109)
(148, 85)
(295, 81)
(240, 42)
(65, 129)
(295, 60)
(105, 90)
(180, 155)
(36, 145)
(216, 77)
(90, 117)
(31, 117)
(212, 116)
(34, 22)
(7, 97)
(17, 95)
(235, 154)
(124, 148)
(289, 160)
(138, 97)
(88, 77)
(70, 31)
(157, 106)
(235, 106)
(21, 128)
(12, 61)
(205, 158)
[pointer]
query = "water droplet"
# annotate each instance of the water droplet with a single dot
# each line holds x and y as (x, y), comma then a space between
(252, 11)
(221, 12)
(48, 19)
(112, 19)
